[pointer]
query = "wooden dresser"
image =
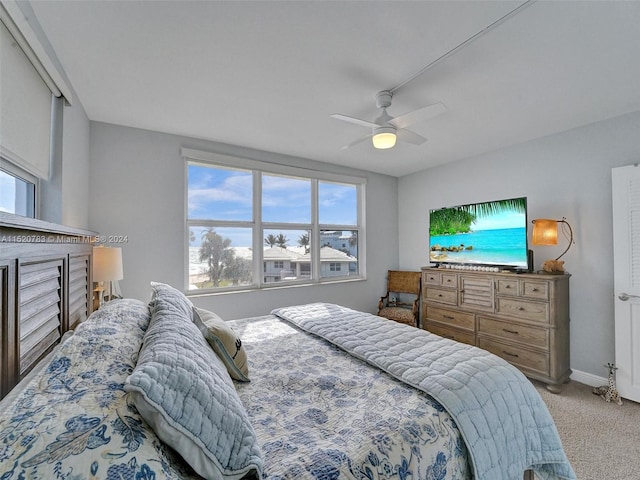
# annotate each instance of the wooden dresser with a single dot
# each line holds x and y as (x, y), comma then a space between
(45, 290)
(523, 318)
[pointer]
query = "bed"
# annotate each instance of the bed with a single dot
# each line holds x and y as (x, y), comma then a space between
(165, 390)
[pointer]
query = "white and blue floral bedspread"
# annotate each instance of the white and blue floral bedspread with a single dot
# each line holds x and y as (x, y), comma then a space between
(73, 421)
(321, 414)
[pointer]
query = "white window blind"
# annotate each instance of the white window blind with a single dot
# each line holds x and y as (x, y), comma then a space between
(25, 106)
(29, 75)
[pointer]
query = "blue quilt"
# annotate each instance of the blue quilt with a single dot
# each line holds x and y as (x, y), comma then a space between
(506, 426)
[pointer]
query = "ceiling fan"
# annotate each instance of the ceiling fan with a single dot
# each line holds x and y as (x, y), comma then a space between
(385, 129)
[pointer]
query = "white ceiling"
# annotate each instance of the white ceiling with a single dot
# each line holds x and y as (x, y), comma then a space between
(268, 74)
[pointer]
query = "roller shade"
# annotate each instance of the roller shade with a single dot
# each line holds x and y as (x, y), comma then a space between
(25, 109)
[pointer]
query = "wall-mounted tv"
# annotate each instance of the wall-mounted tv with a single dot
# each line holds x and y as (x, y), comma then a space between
(490, 233)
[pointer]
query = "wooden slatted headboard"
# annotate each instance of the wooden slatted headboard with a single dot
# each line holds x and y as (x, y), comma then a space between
(45, 290)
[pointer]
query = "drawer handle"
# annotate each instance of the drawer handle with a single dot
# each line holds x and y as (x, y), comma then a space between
(508, 286)
(509, 354)
(515, 332)
(534, 289)
(439, 295)
(448, 317)
(521, 308)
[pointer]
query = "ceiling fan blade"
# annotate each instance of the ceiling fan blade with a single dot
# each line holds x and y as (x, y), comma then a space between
(357, 121)
(408, 136)
(420, 115)
(356, 142)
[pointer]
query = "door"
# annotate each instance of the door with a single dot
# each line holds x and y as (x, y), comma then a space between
(626, 261)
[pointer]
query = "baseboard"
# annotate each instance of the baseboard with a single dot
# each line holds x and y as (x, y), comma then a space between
(588, 378)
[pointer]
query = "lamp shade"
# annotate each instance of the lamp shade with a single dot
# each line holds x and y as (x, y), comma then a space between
(545, 232)
(384, 137)
(107, 264)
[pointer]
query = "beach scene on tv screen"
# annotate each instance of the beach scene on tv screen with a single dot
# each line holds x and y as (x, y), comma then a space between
(489, 233)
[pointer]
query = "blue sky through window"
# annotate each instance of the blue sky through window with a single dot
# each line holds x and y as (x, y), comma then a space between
(337, 204)
(220, 193)
(286, 199)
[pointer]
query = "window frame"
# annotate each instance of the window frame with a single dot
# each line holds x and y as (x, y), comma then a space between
(31, 199)
(258, 168)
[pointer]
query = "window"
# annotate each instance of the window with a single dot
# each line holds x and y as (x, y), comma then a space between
(17, 192)
(252, 224)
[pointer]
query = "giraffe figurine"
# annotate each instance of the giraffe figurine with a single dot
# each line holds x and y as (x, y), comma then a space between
(609, 392)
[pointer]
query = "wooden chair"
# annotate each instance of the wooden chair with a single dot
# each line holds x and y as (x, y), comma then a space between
(401, 303)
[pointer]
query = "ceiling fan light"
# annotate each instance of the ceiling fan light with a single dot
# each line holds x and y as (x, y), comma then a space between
(384, 137)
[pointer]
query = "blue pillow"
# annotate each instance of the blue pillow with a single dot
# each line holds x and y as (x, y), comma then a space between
(183, 391)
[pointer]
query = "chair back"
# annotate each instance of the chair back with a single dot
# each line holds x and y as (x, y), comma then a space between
(403, 282)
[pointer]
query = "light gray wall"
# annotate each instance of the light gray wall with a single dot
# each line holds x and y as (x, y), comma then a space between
(138, 189)
(568, 175)
(64, 197)
(49, 193)
(75, 166)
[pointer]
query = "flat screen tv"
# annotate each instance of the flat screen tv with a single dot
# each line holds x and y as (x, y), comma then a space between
(491, 234)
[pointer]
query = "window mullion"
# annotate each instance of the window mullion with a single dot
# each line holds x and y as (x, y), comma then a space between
(314, 235)
(258, 250)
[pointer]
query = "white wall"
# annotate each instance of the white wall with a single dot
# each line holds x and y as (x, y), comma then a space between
(568, 175)
(137, 187)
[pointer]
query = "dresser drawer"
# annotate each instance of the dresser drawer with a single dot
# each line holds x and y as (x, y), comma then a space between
(507, 286)
(440, 279)
(451, 317)
(533, 289)
(515, 354)
(451, 333)
(441, 295)
(518, 308)
(532, 336)
(431, 277)
(449, 280)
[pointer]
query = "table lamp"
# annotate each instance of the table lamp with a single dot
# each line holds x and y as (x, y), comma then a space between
(107, 267)
(545, 232)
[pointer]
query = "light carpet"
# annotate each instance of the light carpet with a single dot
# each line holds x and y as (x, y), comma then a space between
(601, 440)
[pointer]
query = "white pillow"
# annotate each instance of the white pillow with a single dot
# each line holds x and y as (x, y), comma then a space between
(224, 341)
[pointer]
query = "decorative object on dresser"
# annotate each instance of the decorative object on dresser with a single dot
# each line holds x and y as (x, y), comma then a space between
(402, 300)
(45, 278)
(107, 267)
(523, 318)
(545, 232)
